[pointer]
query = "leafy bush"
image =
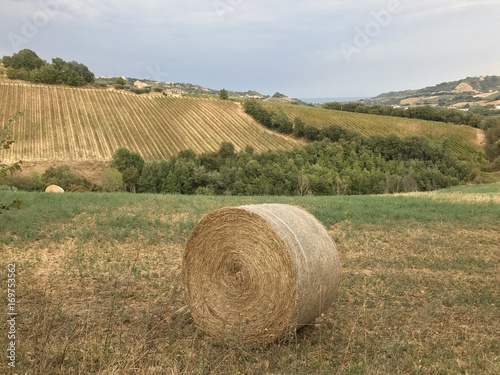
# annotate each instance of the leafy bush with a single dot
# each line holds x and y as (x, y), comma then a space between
(350, 165)
(111, 180)
(65, 178)
(26, 65)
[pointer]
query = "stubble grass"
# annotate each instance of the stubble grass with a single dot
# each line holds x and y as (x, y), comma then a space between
(99, 287)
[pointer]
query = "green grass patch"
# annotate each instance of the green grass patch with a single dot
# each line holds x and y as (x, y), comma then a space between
(121, 217)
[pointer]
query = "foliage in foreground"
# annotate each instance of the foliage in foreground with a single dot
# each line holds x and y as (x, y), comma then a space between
(350, 165)
(5, 143)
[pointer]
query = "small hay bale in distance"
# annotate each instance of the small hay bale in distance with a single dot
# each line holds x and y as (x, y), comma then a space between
(54, 189)
(252, 274)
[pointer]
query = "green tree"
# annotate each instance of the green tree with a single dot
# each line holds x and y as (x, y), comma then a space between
(223, 94)
(281, 122)
(298, 127)
(24, 59)
(121, 81)
(311, 133)
(22, 74)
(492, 146)
(72, 73)
(130, 165)
(226, 150)
(258, 112)
(111, 180)
(5, 142)
(45, 74)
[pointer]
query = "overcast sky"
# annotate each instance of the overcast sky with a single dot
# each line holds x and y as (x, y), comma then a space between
(308, 48)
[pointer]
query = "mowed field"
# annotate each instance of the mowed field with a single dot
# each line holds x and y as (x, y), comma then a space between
(98, 286)
(74, 124)
(462, 140)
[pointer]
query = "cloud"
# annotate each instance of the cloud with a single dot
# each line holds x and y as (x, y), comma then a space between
(268, 46)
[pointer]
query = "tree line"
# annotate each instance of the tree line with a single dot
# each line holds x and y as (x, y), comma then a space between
(373, 165)
(362, 165)
(28, 66)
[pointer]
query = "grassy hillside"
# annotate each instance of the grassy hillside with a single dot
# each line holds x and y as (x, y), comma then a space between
(463, 140)
(98, 286)
(481, 91)
(62, 123)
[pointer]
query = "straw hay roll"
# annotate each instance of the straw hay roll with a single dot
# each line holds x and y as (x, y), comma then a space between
(253, 273)
(54, 189)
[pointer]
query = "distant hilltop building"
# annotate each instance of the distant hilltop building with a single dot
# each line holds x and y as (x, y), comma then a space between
(173, 93)
(140, 85)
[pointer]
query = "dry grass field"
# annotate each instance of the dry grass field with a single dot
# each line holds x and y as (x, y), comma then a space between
(98, 287)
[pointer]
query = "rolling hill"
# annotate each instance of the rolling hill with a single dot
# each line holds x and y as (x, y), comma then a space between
(470, 91)
(62, 123)
(87, 124)
(463, 140)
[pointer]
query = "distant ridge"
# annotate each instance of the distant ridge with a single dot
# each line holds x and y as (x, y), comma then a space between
(470, 91)
(335, 99)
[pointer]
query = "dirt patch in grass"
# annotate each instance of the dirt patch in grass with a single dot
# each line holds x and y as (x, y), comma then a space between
(481, 137)
(457, 196)
(89, 169)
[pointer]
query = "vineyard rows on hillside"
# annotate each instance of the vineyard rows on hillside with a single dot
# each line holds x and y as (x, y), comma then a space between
(459, 138)
(62, 123)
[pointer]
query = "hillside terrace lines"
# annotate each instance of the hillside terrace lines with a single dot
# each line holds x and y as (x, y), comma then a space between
(188, 127)
(50, 127)
(222, 116)
(196, 115)
(92, 150)
(154, 148)
(113, 112)
(183, 125)
(39, 119)
(62, 123)
(169, 126)
(368, 125)
(35, 120)
(106, 128)
(100, 136)
(151, 140)
(198, 139)
(44, 148)
(80, 139)
(251, 131)
(168, 139)
(163, 130)
(230, 115)
(124, 133)
(71, 146)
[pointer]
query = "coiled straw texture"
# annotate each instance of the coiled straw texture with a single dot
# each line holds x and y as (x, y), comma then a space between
(252, 274)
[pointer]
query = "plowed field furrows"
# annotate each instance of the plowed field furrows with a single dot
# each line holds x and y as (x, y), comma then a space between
(62, 123)
(460, 139)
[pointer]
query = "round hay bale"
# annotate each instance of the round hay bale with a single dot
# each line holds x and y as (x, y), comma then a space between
(252, 274)
(54, 189)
